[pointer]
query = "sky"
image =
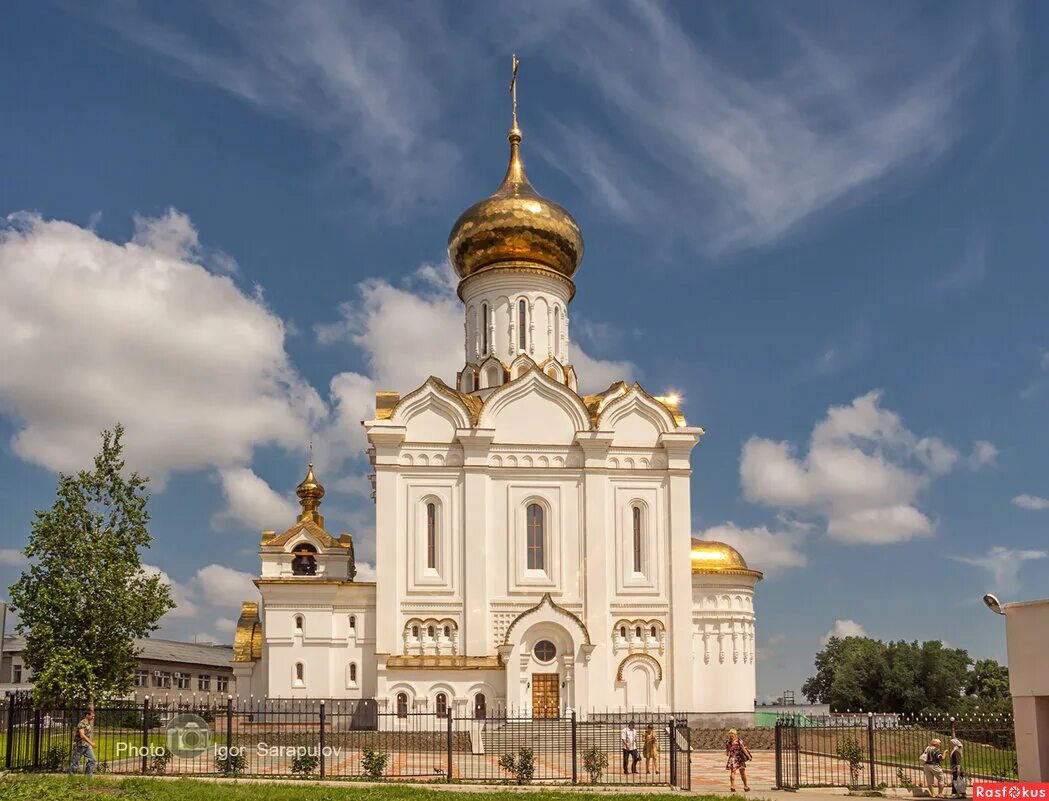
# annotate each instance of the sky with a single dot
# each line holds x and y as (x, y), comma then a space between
(823, 224)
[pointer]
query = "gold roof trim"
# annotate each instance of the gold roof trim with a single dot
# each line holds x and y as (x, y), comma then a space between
(326, 539)
(713, 557)
(247, 641)
(472, 404)
(527, 268)
(643, 658)
(547, 600)
(385, 403)
(445, 662)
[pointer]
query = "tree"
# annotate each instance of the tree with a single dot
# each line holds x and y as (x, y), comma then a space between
(85, 598)
(909, 677)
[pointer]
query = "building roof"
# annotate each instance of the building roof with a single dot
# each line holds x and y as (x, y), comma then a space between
(157, 650)
(711, 556)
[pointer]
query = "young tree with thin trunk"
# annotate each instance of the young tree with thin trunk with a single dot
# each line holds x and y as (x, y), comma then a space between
(85, 598)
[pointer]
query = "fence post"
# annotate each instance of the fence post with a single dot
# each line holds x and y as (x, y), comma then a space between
(145, 734)
(870, 747)
(448, 713)
(36, 738)
(322, 739)
(8, 756)
(777, 740)
(229, 734)
(672, 726)
(575, 751)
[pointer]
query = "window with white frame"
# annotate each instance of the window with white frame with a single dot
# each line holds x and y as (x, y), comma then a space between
(636, 537)
(141, 677)
(431, 535)
(536, 537)
(182, 681)
(204, 682)
(522, 325)
(484, 329)
(299, 679)
(223, 683)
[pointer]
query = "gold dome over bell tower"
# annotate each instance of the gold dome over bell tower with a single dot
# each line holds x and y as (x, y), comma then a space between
(310, 492)
(515, 225)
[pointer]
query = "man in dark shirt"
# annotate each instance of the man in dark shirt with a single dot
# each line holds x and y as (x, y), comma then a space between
(84, 746)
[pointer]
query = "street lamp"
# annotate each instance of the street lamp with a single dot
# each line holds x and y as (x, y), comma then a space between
(993, 604)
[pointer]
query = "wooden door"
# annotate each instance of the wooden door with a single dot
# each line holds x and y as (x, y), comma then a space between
(546, 695)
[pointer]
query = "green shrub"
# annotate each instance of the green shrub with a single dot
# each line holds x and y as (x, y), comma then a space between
(232, 763)
(849, 751)
(304, 764)
(55, 758)
(373, 763)
(595, 763)
(159, 763)
(522, 768)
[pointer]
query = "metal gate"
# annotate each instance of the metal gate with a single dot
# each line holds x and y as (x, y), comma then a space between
(680, 754)
(788, 755)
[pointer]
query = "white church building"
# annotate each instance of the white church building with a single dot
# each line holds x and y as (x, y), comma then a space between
(533, 545)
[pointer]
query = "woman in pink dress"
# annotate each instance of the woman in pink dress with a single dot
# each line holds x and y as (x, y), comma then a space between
(738, 757)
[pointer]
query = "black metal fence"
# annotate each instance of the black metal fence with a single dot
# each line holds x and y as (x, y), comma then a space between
(340, 739)
(886, 750)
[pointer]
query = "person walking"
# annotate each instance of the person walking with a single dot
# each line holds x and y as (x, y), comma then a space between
(629, 738)
(738, 756)
(83, 746)
(932, 765)
(957, 775)
(650, 749)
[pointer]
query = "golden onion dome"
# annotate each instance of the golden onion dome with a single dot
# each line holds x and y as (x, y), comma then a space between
(710, 556)
(310, 492)
(515, 225)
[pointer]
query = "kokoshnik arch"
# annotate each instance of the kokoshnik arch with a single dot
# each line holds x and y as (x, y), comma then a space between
(533, 545)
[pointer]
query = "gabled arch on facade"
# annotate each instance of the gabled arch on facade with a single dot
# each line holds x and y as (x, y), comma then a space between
(434, 395)
(548, 609)
(532, 383)
(646, 659)
(492, 373)
(635, 402)
(639, 635)
(553, 368)
(468, 378)
(521, 365)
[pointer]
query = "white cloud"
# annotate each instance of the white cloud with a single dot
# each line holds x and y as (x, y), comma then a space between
(1032, 502)
(753, 149)
(371, 82)
(225, 625)
(224, 587)
(365, 572)
(985, 454)
(1002, 564)
(844, 628)
(12, 557)
(99, 332)
(252, 502)
(863, 473)
(183, 595)
(771, 552)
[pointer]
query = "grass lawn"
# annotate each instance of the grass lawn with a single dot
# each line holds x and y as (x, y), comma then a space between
(60, 788)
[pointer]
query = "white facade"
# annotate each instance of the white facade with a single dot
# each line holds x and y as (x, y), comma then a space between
(533, 545)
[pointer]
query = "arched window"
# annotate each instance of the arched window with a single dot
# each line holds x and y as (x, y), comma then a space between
(468, 380)
(536, 536)
(654, 635)
(637, 632)
(622, 632)
(637, 539)
(353, 672)
(429, 632)
(448, 632)
(557, 331)
(484, 329)
(480, 706)
(298, 624)
(431, 536)
(522, 325)
(300, 674)
(415, 632)
(402, 705)
(441, 705)
(493, 376)
(353, 622)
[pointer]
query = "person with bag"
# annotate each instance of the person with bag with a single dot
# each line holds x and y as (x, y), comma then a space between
(957, 776)
(738, 756)
(932, 758)
(650, 749)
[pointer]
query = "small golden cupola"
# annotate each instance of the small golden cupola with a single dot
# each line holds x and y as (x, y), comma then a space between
(310, 492)
(515, 225)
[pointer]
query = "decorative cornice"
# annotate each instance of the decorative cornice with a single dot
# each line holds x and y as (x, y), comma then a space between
(548, 601)
(640, 658)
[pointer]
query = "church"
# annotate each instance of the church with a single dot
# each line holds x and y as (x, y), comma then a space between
(533, 544)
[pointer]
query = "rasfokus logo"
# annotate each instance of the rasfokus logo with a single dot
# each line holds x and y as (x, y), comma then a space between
(1011, 790)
